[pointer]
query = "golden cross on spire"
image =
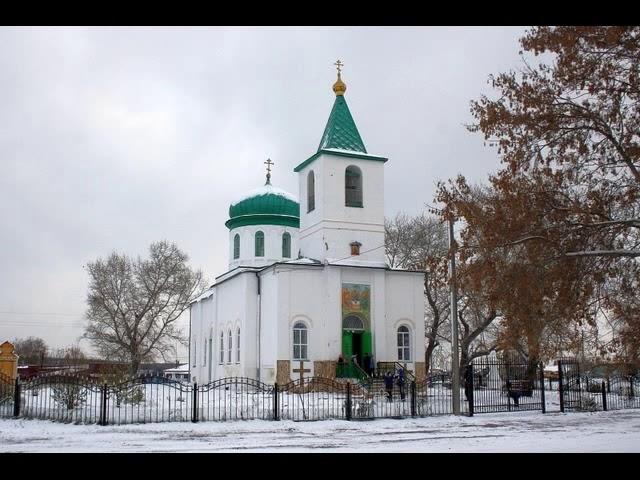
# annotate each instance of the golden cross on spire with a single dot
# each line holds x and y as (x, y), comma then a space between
(339, 87)
(268, 163)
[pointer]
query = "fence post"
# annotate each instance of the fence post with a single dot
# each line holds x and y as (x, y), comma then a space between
(469, 388)
(631, 392)
(103, 405)
(194, 416)
(275, 401)
(604, 397)
(347, 412)
(413, 398)
(542, 397)
(560, 386)
(16, 398)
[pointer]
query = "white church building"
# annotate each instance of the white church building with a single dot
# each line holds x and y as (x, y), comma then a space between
(308, 281)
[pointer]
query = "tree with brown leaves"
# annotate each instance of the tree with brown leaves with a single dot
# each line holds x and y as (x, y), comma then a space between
(564, 209)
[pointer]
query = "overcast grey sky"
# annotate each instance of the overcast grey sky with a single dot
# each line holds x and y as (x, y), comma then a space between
(112, 138)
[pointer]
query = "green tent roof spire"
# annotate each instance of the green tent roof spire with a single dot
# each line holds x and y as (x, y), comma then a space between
(341, 131)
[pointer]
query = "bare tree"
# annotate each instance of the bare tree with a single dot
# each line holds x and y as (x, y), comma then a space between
(134, 304)
(420, 243)
(31, 350)
(71, 357)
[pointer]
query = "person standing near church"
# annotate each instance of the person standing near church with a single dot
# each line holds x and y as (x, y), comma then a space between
(366, 363)
(401, 382)
(388, 385)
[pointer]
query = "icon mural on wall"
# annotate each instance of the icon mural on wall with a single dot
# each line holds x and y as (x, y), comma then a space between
(356, 301)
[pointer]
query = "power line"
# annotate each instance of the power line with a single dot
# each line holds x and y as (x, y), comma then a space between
(42, 313)
(361, 253)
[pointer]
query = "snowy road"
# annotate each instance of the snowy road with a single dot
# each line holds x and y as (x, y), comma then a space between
(617, 431)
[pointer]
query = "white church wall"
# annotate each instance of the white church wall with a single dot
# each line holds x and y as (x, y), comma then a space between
(302, 296)
(310, 218)
(332, 312)
(268, 325)
(332, 226)
(233, 306)
(202, 322)
(405, 306)
(234, 298)
(249, 339)
(272, 245)
(372, 211)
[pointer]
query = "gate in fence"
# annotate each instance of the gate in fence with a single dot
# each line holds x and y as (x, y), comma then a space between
(504, 386)
(584, 389)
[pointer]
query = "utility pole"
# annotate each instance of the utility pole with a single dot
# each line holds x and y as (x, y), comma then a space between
(455, 361)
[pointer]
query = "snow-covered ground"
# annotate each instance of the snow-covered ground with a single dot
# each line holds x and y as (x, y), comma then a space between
(613, 431)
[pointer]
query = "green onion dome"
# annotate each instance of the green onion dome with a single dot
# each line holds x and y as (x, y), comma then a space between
(266, 205)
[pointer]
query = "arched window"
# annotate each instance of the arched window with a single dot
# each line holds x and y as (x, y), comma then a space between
(404, 344)
(221, 348)
(238, 345)
(286, 245)
(259, 244)
(353, 187)
(230, 347)
(236, 246)
(352, 322)
(311, 191)
(300, 341)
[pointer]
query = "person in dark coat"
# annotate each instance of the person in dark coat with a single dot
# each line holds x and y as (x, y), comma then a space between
(388, 385)
(366, 364)
(514, 394)
(401, 382)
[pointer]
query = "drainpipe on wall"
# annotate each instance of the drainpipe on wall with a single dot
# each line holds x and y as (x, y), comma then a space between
(259, 323)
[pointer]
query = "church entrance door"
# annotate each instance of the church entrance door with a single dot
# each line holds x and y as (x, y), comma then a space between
(357, 347)
(356, 343)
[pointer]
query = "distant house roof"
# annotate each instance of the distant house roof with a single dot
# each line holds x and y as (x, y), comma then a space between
(184, 368)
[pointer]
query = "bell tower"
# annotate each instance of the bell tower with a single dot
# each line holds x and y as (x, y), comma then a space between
(342, 193)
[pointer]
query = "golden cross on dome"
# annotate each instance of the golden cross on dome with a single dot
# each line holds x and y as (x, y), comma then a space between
(339, 87)
(268, 163)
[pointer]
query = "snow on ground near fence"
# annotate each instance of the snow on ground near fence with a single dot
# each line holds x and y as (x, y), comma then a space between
(617, 431)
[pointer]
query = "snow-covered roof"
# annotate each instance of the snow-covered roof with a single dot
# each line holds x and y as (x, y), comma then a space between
(183, 368)
(206, 294)
(304, 260)
(342, 150)
(265, 190)
(356, 263)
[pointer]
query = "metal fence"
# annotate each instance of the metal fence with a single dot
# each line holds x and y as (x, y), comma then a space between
(234, 398)
(7, 395)
(506, 386)
(79, 399)
(486, 386)
(583, 389)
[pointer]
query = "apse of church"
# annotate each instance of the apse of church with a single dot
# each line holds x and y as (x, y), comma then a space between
(298, 295)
